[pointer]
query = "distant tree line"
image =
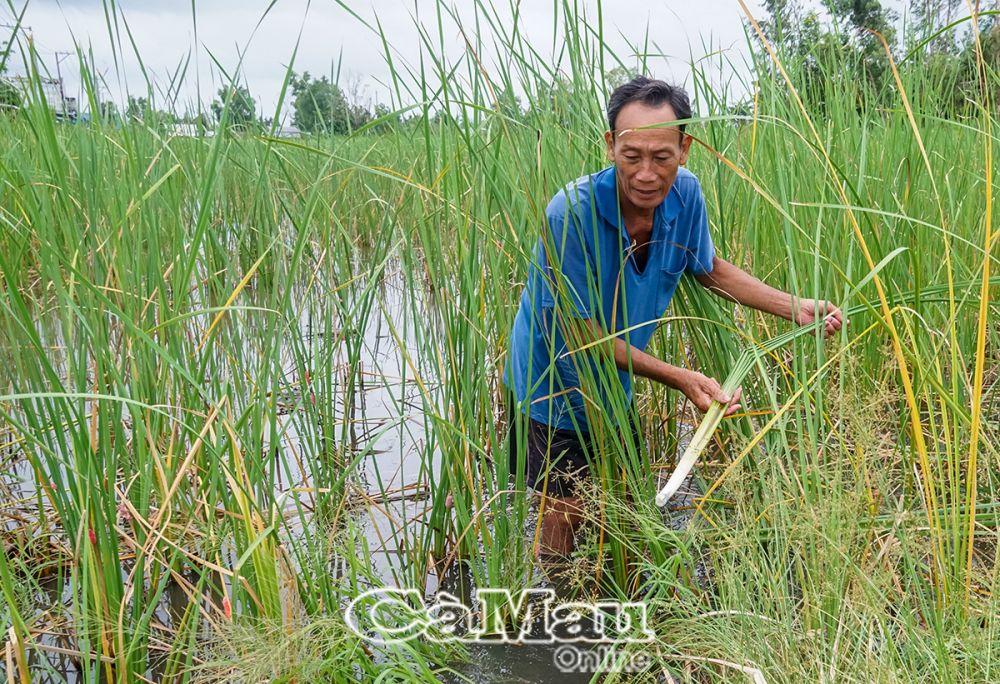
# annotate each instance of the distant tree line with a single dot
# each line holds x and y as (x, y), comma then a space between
(848, 34)
(319, 106)
(10, 98)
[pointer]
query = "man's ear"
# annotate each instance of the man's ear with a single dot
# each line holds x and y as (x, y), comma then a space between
(609, 141)
(685, 148)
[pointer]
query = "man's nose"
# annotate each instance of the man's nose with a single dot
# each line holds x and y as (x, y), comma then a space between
(645, 172)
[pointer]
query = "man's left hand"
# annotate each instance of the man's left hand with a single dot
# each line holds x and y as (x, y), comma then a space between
(809, 310)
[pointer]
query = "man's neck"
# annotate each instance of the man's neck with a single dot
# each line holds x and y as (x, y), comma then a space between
(638, 222)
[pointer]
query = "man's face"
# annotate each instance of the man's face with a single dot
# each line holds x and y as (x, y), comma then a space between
(646, 159)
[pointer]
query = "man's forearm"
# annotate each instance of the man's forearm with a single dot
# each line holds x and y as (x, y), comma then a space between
(629, 357)
(647, 366)
(736, 285)
(699, 389)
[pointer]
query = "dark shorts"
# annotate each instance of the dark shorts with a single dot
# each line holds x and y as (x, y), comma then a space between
(560, 456)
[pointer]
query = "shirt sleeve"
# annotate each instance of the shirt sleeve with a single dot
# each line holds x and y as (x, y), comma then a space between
(700, 250)
(569, 275)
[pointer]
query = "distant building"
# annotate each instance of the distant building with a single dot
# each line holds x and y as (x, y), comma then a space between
(183, 130)
(63, 107)
(288, 132)
(190, 130)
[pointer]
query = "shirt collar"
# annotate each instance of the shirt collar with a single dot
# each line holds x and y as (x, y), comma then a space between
(606, 196)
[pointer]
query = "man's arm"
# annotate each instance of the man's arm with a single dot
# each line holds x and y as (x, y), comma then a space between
(699, 388)
(736, 285)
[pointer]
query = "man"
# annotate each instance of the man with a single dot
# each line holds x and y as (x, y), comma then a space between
(616, 244)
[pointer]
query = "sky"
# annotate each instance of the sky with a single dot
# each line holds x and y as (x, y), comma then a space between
(164, 32)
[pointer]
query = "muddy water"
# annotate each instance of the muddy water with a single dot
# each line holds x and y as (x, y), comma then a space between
(398, 463)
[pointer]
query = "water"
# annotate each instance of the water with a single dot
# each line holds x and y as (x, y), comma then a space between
(384, 417)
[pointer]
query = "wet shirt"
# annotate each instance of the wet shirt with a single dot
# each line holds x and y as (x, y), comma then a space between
(584, 267)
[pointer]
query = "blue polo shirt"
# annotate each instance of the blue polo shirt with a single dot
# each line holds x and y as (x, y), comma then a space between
(596, 276)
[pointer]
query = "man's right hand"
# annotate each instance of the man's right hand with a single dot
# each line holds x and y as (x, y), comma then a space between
(703, 390)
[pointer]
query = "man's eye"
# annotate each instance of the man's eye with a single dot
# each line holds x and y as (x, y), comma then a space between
(631, 157)
(662, 158)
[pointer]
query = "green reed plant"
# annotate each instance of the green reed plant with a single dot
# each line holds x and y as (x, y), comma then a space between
(150, 377)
